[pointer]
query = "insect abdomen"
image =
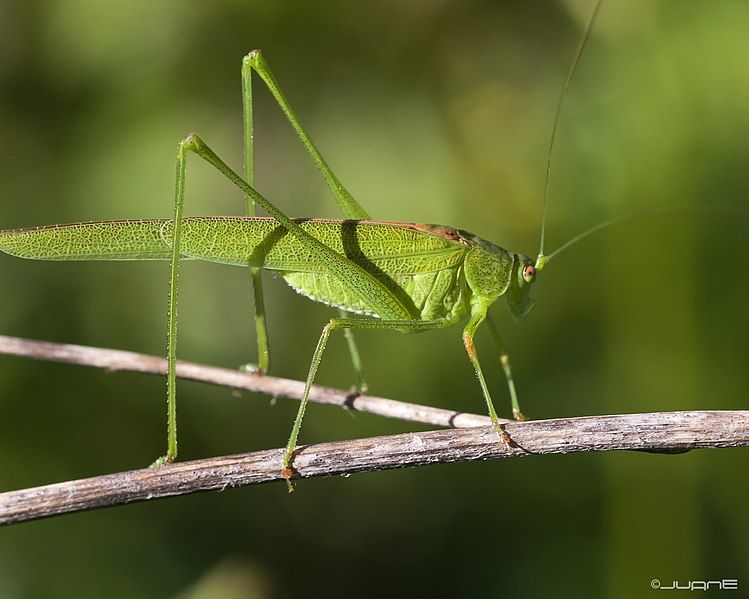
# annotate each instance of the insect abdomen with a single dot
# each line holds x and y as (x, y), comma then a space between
(432, 295)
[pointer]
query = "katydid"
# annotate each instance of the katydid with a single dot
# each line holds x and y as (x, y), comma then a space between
(405, 277)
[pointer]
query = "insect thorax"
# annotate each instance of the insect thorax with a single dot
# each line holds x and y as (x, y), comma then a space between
(488, 269)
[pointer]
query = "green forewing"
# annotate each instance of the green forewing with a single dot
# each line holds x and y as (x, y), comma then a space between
(422, 267)
(113, 240)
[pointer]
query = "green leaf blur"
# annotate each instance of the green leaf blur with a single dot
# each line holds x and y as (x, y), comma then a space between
(435, 112)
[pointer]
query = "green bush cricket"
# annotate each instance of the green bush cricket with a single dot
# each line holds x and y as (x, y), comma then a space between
(405, 277)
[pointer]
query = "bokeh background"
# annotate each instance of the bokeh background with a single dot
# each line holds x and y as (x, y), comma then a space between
(431, 112)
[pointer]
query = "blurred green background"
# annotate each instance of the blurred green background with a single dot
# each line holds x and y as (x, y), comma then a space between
(428, 111)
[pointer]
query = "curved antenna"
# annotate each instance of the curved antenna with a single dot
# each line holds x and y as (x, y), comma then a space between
(693, 209)
(594, 229)
(541, 261)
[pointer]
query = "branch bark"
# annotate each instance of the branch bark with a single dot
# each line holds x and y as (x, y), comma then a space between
(669, 432)
(114, 360)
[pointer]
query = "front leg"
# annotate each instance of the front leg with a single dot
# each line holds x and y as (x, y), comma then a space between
(478, 314)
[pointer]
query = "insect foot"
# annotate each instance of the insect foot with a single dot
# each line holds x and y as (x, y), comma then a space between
(287, 473)
(500, 428)
(251, 368)
(162, 461)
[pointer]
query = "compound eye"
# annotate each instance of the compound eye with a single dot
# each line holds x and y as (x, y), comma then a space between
(529, 273)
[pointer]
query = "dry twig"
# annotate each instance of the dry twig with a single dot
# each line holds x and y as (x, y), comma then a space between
(114, 360)
(670, 432)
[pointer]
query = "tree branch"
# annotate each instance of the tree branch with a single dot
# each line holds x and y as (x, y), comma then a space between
(673, 432)
(114, 360)
(669, 432)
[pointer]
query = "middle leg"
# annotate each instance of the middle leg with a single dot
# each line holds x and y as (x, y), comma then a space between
(346, 324)
(504, 360)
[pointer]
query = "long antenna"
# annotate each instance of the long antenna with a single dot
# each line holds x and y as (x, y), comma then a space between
(541, 260)
(682, 210)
